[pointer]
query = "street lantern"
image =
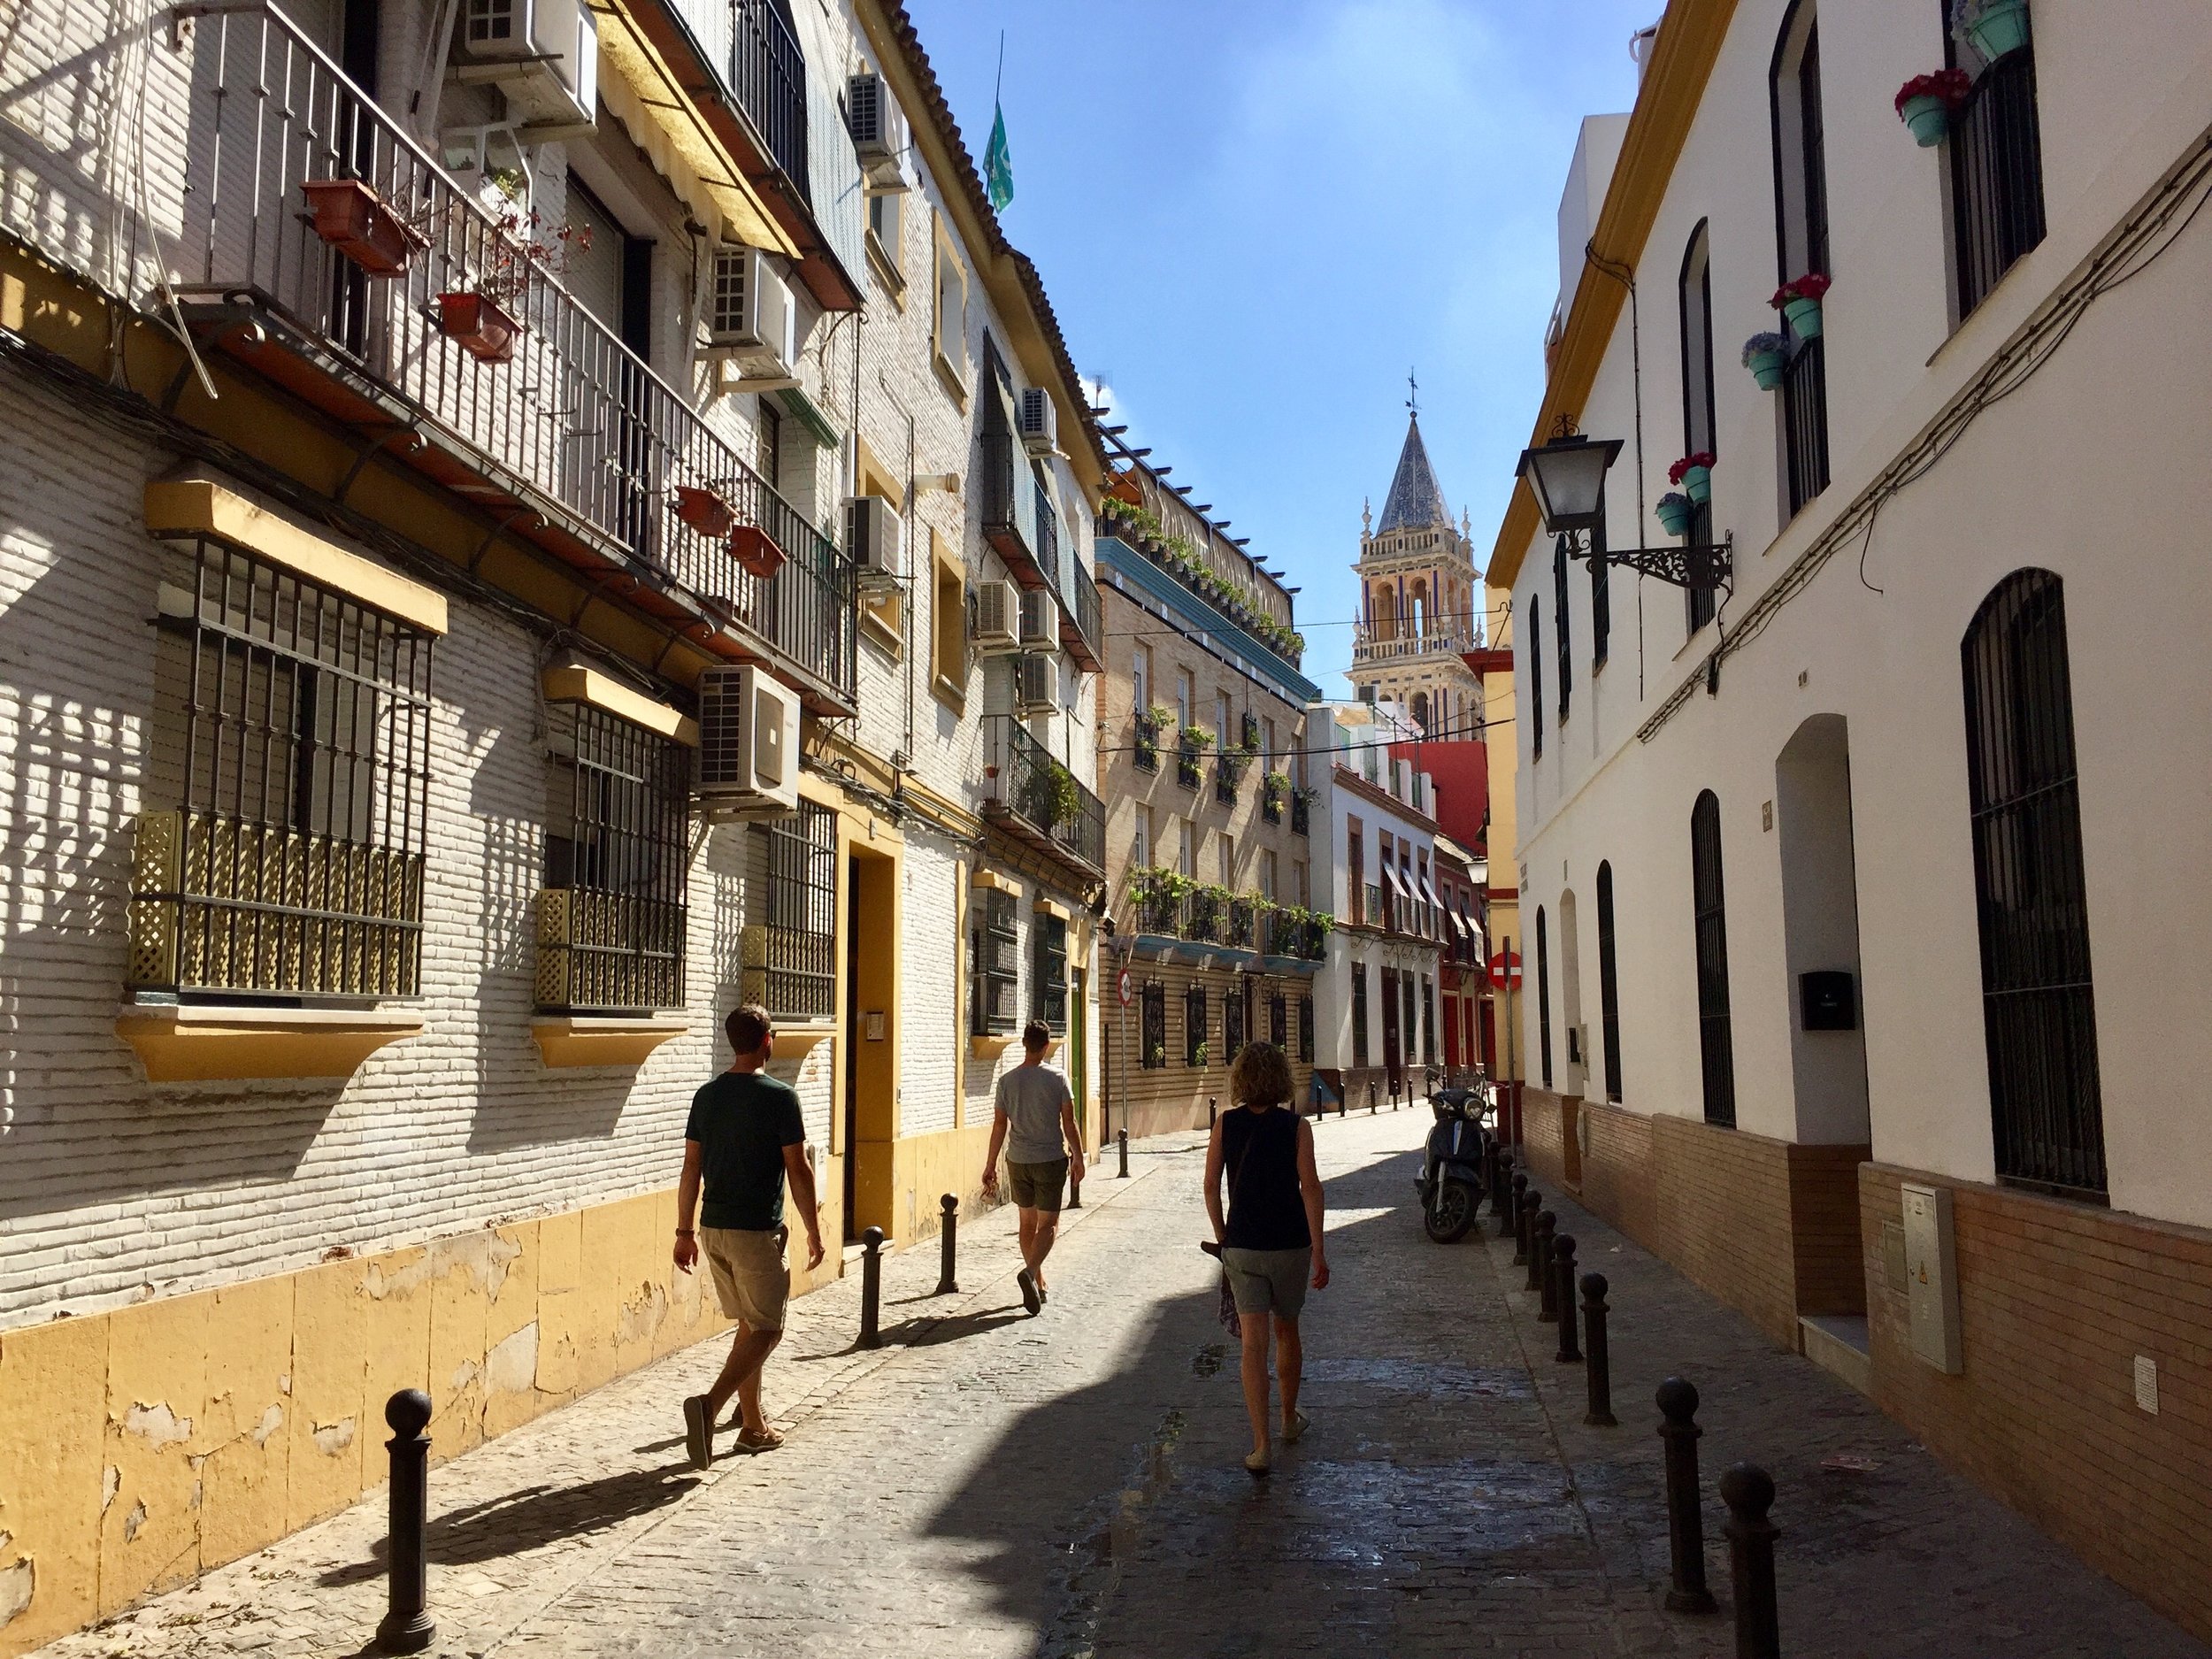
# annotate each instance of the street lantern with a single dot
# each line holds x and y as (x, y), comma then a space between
(1568, 476)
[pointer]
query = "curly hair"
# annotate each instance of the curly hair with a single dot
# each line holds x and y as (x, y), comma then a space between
(1260, 1075)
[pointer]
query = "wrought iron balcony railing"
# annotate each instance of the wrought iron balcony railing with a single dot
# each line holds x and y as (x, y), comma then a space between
(1188, 772)
(1996, 152)
(767, 71)
(1805, 421)
(1202, 917)
(1045, 799)
(1300, 813)
(547, 422)
(1237, 928)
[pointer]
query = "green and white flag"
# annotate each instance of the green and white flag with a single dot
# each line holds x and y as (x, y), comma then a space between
(998, 163)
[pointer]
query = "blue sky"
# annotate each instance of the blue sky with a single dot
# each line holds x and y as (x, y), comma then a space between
(1253, 216)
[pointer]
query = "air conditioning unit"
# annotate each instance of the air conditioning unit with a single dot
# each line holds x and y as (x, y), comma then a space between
(750, 317)
(874, 539)
(1040, 422)
(1036, 683)
(748, 742)
(1039, 621)
(997, 616)
(879, 129)
(543, 54)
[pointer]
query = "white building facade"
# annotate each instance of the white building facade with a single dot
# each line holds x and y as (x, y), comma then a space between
(1854, 894)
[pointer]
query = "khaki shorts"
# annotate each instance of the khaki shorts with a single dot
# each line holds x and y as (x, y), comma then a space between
(752, 1275)
(1269, 1281)
(1037, 1185)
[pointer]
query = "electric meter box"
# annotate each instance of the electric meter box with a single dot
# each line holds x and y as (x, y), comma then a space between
(1932, 1292)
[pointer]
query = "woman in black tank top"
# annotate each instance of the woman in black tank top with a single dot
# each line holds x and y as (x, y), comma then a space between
(1270, 1239)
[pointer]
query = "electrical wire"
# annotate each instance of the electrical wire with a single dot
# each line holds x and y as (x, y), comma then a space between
(1470, 729)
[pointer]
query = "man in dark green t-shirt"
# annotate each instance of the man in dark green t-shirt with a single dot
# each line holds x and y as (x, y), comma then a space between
(744, 1140)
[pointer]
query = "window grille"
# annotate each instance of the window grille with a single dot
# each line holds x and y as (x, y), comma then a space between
(1543, 995)
(1152, 1023)
(1805, 421)
(1715, 1038)
(1194, 1026)
(1608, 985)
(289, 773)
(1694, 297)
(1393, 1030)
(1996, 161)
(1305, 1029)
(1428, 1010)
(791, 954)
(1559, 620)
(2038, 1009)
(1231, 1024)
(997, 945)
(1535, 677)
(1278, 1021)
(611, 919)
(1800, 190)
(1049, 969)
(1359, 1015)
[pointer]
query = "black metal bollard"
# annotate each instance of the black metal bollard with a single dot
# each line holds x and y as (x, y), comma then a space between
(1121, 1144)
(1562, 1277)
(1213, 1111)
(870, 1286)
(1600, 1414)
(1685, 1525)
(408, 1627)
(1539, 1279)
(1507, 1204)
(1525, 1206)
(948, 1246)
(1748, 1491)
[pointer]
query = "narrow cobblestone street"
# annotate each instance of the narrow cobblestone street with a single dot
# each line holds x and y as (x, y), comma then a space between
(990, 1485)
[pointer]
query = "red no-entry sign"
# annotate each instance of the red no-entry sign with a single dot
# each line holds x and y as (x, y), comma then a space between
(1121, 986)
(1505, 969)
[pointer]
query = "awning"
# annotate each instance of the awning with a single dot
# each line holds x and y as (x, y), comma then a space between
(1452, 917)
(1428, 892)
(1390, 873)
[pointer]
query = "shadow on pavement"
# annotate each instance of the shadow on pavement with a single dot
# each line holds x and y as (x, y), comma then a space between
(536, 1515)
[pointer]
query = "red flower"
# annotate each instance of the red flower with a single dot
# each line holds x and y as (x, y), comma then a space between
(1811, 286)
(1950, 85)
(1675, 473)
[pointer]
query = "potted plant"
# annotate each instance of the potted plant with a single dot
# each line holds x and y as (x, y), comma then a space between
(478, 324)
(1196, 737)
(361, 224)
(1926, 102)
(1275, 786)
(755, 551)
(1159, 718)
(1991, 27)
(1799, 302)
(1766, 355)
(484, 319)
(708, 512)
(1694, 474)
(1053, 796)
(1674, 511)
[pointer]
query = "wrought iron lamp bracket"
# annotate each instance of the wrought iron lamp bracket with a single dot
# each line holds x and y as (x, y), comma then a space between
(1693, 565)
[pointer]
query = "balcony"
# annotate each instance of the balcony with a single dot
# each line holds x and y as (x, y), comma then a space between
(1188, 769)
(559, 434)
(1805, 422)
(767, 71)
(1237, 929)
(1372, 644)
(1042, 804)
(1019, 522)
(1301, 813)
(1996, 154)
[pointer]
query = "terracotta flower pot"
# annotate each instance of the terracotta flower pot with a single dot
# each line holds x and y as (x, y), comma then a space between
(355, 220)
(479, 324)
(704, 511)
(755, 551)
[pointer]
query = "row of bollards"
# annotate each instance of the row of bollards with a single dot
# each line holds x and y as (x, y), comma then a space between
(1548, 1256)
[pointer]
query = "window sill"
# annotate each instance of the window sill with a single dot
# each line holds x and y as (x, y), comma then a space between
(955, 383)
(567, 1040)
(884, 633)
(795, 1044)
(887, 272)
(199, 1042)
(991, 1045)
(949, 692)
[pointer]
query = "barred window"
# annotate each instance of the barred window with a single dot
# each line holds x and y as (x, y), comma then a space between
(611, 918)
(1305, 1028)
(791, 949)
(1232, 1022)
(1359, 1014)
(1543, 995)
(1278, 1021)
(1194, 1026)
(1153, 1027)
(281, 851)
(1995, 149)
(1715, 1038)
(996, 945)
(1049, 998)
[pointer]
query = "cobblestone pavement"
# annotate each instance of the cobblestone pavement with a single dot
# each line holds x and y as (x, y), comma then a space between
(991, 1485)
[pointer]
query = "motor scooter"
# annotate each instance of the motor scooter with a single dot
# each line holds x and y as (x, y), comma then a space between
(1451, 1181)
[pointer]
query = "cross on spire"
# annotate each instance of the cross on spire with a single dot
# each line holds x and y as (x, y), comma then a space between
(1413, 393)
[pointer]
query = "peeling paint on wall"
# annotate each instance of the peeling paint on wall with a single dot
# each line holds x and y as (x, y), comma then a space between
(271, 1420)
(156, 1424)
(18, 1585)
(511, 1367)
(110, 1482)
(333, 1438)
(132, 1522)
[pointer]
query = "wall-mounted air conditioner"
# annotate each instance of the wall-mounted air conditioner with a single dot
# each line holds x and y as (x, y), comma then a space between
(543, 54)
(751, 319)
(1040, 422)
(874, 539)
(748, 742)
(1036, 683)
(997, 616)
(879, 129)
(1039, 621)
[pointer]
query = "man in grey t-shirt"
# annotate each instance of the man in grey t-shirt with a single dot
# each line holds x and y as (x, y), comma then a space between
(1035, 1124)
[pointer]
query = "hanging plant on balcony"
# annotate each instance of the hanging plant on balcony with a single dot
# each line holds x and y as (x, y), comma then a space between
(1927, 103)
(1991, 27)
(1053, 797)
(480, 325)
(708, 512)
(1766, 355)
(1799, 302)
(1674, 511)
(1694, 473)
(363, 225)
(485, 319)
(1275, 788)
(1196, 737)
(1234, 760)
(1157, 719)
(755, 551)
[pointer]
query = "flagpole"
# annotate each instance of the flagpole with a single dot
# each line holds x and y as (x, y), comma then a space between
(999, 81)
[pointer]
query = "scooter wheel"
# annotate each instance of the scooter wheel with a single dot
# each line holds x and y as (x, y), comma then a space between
(1448, 1218)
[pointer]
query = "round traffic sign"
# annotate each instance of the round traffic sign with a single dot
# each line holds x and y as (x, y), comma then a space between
(1121, 986)
(1505, 969)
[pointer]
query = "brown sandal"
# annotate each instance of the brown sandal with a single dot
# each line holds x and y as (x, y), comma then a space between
(768, 1441)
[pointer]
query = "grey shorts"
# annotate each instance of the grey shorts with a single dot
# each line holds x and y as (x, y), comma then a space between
(1268, 1281)
(1038, 1186)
